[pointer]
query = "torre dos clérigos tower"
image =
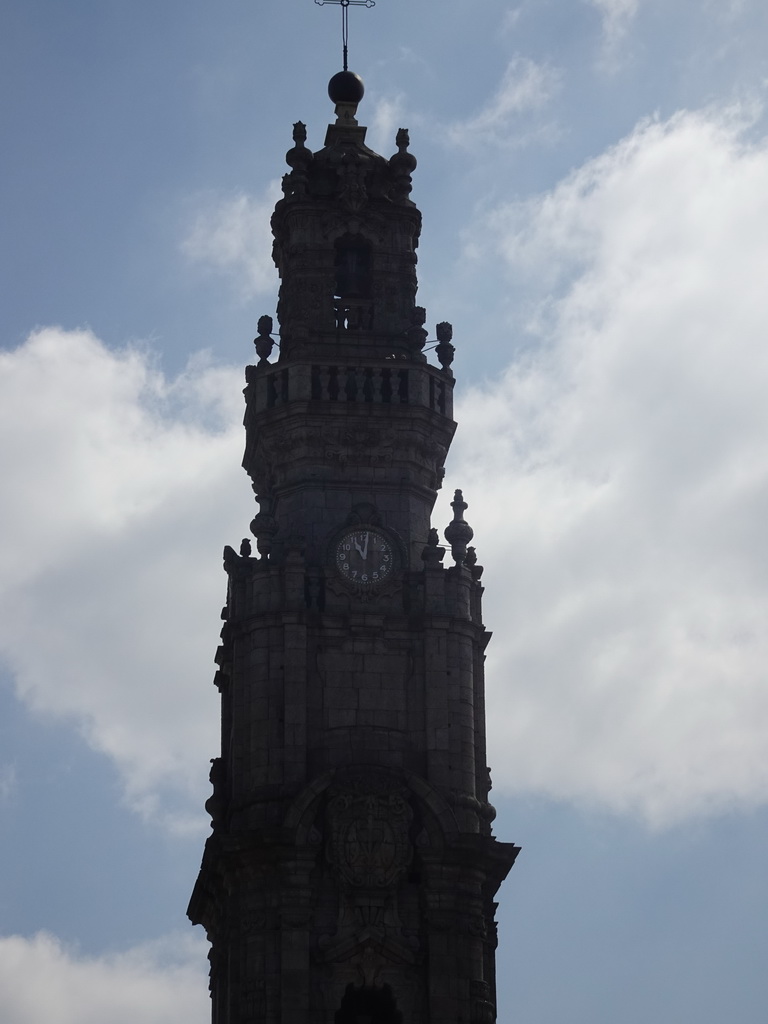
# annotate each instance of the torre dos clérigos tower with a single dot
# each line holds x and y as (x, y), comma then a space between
(351, 872)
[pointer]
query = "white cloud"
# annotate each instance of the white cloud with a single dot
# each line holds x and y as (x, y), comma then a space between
(511, 18)
(232, 235)
(157, 983)
(619, 484)
(8, 783)
(387, 118)
(526, 87)
(617, 16)
(121, 489)
(619, 480)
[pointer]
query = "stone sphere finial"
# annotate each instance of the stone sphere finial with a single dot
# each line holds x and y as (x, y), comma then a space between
(346, 87)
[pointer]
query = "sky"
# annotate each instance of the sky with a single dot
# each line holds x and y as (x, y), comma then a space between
(593, 176)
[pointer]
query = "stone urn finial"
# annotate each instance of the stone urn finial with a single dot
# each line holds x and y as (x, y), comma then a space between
(264, 343)
(444, 350)
(433, 554)
(458, 533)
(264, 525)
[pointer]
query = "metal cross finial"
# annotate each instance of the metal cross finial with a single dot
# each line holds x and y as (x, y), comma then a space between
(345, 5)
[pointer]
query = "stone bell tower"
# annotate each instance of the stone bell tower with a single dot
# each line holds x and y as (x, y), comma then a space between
(351, 872)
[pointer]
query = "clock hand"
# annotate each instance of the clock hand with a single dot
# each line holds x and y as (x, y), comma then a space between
(359, 549)
(364, 552)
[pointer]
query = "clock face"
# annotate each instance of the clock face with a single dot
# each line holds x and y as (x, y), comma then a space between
(364, 557)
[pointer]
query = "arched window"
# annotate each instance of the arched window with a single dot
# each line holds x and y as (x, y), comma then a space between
(353, 267)
(368, 1005)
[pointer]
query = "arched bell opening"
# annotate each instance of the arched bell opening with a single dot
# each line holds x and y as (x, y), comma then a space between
(368, 1004)
(353, 285)
(353, 263)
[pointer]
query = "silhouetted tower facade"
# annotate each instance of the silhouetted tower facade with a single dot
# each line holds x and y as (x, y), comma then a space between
(351, 873)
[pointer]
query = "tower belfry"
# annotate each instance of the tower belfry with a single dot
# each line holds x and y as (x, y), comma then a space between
(351, 872)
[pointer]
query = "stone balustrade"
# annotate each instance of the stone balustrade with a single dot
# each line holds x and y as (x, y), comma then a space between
(389, 384)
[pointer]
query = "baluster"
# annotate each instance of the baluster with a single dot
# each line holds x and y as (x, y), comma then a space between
(333, 383)
(350, 387)
(325, 382)
(376, 384)
(368, 385)
(402, 388)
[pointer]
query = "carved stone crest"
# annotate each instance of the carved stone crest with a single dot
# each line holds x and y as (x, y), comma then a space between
(369, 820)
